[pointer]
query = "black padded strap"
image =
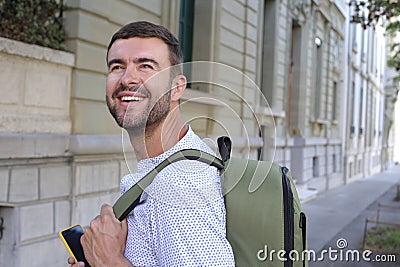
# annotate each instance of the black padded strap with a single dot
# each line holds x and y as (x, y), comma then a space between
(130, 199)
(303, 225)
(225, 147)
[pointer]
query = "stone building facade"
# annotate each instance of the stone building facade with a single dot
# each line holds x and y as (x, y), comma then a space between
(62, 155)
(370, 97)
(303, 78)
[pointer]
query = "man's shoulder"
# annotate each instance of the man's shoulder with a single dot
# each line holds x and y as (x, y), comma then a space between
(186, 183)
(193, 141)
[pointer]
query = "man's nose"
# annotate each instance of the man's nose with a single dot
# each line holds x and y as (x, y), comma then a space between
(131, 77)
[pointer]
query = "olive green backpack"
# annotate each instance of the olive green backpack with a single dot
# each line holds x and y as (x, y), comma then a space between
(264, 222)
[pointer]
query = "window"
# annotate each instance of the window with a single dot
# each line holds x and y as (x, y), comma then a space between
(373, 53)
(186, 19)
(334, 167)
(186, 23)
(352, 102)
(354, 36)
(315, 162)
(318, 78)
(336, 55)
(294, 80)
(360, 115)
(270, 36)
(364, 46)
(370, 118)
(351, 169)
(334, 102)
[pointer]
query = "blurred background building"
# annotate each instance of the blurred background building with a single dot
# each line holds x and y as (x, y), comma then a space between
(330, 113)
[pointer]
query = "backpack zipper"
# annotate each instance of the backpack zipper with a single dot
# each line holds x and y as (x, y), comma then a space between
(303, 226)
(288, 217)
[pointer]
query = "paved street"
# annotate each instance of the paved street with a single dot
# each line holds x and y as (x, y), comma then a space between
(340, 214)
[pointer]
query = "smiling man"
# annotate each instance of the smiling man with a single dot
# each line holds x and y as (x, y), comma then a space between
(181, 218)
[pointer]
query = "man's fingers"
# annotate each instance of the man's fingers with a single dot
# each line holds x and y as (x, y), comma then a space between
(72, 262)
(86, 238)
(105, 236)
(124, 225)
(107, 215)
(94, 223)
(106, 209)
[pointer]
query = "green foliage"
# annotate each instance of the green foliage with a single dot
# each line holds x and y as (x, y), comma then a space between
(33, 21)
(393, 26)
(384, 239)
(387, 11)
(392, 14)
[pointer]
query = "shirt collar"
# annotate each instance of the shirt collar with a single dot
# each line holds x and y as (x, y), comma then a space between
(148, 164)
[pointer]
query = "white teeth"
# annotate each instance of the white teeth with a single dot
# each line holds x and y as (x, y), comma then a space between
(131, 98)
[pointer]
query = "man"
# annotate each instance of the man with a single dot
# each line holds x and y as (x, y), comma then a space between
(181, 218)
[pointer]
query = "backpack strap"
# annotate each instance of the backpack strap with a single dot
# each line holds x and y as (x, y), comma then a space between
(225, 147)
(130, 199)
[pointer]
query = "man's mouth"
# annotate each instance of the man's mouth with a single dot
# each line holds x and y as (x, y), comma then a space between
(131, 98)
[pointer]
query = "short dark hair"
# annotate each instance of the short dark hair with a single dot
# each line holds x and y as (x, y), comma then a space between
(144, 29)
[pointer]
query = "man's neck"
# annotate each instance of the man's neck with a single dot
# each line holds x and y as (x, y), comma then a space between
(156, 140)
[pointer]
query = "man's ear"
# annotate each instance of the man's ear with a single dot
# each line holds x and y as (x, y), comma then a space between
(178, 87)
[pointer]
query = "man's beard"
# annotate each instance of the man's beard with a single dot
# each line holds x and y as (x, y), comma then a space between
(155, 112)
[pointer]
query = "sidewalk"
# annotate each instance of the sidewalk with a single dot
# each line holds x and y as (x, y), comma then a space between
(341, 212)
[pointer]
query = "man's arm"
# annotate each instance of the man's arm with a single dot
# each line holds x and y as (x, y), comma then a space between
(104, 241)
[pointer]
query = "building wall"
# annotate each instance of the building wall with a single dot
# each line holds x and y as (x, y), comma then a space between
(366, 100)
(61, 154)
(72, 161)
(35, 172)
(89, 27)
(303, 82)
(255, 79)
(224, 53)
(36, 89)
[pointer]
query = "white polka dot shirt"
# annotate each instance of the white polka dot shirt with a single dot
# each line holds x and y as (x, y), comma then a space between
(181, 218)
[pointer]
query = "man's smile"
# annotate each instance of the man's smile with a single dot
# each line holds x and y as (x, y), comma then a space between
(127, 97)
(131, 98)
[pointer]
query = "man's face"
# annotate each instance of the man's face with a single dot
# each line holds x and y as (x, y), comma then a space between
(138, 90)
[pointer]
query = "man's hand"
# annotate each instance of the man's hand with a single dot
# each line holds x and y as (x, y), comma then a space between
(104, 241)
(75, 264)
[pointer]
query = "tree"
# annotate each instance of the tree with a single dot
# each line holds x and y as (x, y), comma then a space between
(33, 21)
(387, 12)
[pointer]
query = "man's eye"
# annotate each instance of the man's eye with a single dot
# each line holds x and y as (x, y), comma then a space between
(146, 66)
(116, 67)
